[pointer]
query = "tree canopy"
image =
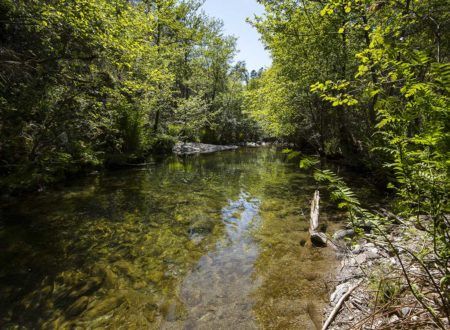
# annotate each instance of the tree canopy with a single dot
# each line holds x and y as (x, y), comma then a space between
(84, 83)
(368, 81)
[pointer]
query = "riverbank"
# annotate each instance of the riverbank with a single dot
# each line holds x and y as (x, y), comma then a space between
(189, 148)
(28, 182)
(372, 291)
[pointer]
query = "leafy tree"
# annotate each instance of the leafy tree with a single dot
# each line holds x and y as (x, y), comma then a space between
(86, 83)
(369, 81)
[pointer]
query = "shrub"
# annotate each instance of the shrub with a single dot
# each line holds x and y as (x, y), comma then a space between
(162, 144)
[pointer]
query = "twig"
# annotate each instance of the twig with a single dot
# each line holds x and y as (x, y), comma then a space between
(365, 319)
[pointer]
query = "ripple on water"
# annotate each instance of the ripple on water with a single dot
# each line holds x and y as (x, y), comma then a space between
(217, 291)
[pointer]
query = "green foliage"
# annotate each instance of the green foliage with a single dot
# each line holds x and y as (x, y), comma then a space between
(86, 82)
(387, 289)
(308, 162)
(162, 144)
(267, 102)
(336, 62)
(369, 79)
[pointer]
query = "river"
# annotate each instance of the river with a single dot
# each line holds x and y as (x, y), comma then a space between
(199, 242)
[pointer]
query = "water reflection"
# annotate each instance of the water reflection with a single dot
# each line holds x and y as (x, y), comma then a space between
(217, 291)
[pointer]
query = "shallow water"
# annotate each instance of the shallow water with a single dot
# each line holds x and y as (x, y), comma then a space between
(201, 242)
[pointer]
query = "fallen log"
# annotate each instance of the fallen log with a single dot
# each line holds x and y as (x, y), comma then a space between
(317, 238)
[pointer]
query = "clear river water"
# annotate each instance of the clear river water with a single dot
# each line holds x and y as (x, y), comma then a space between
(199, 242)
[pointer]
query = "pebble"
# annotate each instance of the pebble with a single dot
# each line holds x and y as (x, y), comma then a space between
(372, 253)
(197, 239)
(343, 233)
(357, 249)
(361, 258)
(394, 319)
(405, 311)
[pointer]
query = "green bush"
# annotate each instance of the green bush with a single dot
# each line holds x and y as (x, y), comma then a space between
(162, 144)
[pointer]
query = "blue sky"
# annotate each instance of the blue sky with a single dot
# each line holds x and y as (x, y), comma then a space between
(234, 13)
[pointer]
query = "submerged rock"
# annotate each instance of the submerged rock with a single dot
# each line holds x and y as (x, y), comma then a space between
(173, 310)
(104, 306)
(77, 307)
(201, 226)
(91, 285)
(197, 239)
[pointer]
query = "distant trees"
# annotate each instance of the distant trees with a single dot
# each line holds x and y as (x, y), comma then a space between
(83, 83)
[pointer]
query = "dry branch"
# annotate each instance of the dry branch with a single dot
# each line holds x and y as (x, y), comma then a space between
(317, 238)
(339, 305)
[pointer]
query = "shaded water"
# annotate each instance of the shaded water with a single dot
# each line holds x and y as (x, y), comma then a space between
(209, 241)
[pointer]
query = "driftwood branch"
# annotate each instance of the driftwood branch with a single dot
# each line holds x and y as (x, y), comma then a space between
(317, 238)
(314, 224)
(338, 306)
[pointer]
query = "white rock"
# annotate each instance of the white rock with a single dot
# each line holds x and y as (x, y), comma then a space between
(393, 319)
(372, 253)
(361, 258)
(357, 249)
(341, 289)
(405, 311)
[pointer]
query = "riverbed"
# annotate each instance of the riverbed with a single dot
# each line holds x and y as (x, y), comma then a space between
(213, 241)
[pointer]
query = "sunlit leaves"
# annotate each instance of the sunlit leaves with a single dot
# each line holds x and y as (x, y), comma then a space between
(111, 77)
(332, 92)
(308, 162)
(378, 81)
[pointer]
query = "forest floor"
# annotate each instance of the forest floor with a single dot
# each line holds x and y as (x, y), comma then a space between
(376, 292)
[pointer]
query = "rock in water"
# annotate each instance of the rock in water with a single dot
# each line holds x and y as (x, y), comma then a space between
(319, 239)
(104, 306)
(199, 148)
(78, 306)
